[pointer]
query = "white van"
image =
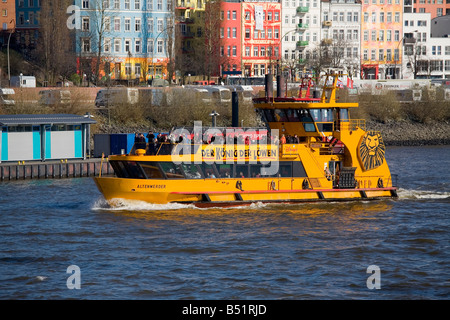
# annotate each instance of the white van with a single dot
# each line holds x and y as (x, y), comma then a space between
(6, 96)
(52, 97)
(115, 96)
(219, 94)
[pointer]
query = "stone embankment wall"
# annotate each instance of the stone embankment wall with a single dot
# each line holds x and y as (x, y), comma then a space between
(406, 133)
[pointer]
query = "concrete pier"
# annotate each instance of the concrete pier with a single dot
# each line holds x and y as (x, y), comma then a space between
(54, 169)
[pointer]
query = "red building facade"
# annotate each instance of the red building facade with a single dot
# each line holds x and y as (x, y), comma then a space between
(230, 38)
(250, 35)
(261, 46)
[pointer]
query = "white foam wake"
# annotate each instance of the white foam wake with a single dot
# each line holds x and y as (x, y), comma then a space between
(422, 194)
(136, 205)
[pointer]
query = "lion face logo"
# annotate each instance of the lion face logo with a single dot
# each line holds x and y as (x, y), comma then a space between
(371, 150)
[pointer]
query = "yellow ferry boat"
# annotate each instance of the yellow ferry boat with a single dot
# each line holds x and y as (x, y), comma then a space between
(327, 156)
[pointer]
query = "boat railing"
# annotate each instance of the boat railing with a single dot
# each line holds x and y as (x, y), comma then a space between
(353, 124)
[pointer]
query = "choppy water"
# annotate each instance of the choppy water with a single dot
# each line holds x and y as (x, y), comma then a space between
(305, 251)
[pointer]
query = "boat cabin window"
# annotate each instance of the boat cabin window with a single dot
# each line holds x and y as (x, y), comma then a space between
(292, 115)
(242, 171)
(343, 115)
(269, 115)
(169, 170)
(225, 170)
(151, 170)
(285, 170)
(128, 169)
(255, 170)
(191, 171)
(209, 171)
(280, 115)
(304, 115)
(172, 171)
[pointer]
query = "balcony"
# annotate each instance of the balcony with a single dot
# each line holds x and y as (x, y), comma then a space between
(409, 41)
(302, 26)
(301, 44)
(302, 9)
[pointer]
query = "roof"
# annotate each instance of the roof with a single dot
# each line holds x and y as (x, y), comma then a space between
(37, 119)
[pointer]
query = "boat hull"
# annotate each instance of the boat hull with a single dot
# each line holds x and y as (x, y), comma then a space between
(225, 193)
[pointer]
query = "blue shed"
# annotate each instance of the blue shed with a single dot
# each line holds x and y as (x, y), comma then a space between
(43, 136)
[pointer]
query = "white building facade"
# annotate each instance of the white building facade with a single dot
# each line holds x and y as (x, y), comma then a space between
(424, 56)
(341, 25)
(301, 25)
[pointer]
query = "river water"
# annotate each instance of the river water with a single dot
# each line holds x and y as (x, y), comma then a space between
(262, 252)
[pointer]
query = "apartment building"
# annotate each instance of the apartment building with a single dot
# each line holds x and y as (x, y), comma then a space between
(381, 29)
(7, 20)
(436, 8)
(425, 56)
(231, 37)
(262, 36)
(132, 36)
(341, 27)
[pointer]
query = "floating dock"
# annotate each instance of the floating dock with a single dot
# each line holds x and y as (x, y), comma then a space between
(54, 169)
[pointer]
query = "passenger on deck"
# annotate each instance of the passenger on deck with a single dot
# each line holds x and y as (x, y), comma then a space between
(283, 139)
(151, 143)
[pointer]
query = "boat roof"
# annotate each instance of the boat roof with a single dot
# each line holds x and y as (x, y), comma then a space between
(300, 103)
(37, 119)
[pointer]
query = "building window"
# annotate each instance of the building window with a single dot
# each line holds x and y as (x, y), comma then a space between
(137, 46)
(137, 70)
(117, 24)
(127, 46)
(150, 46)
(117, 45)
(137, 25)
(159, 47)
(388, 54)
(128, 69)
(127, 25)
(381, 54)
(86, 44)
(85, 24)
(107, 46)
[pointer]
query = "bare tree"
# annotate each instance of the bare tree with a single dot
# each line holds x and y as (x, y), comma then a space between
(416, 59)
(99, 28)
(55, 49)
(212, 44)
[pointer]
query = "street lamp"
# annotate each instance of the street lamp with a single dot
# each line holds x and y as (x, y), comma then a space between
(9, 38)
(155, 48)
(214, 114)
